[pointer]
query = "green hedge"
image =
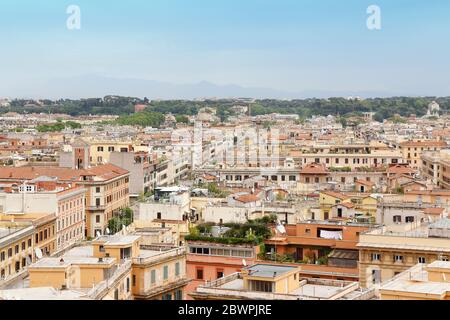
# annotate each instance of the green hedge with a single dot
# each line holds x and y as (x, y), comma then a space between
(224, 240)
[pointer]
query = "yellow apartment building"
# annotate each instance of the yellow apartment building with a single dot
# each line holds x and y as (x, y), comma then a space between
(420, 282)
(115, 268)
(20, 236)
(390, 250)
(160, 275)
(435, 166)
(327, 200)
(413, 150)
(16, 250)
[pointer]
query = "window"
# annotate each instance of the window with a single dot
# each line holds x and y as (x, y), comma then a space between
(134, 280)
(97, 219)
(16, 249)
(409, 219)
(398, 258)
(376, 257)
(199, 274)
(158, 216)
(97, 189)
(166, 272)
(219, 273)
(397, 219)
(167, 296)
(177, 269)
(422, 260)
(111, 149)
(178, 295)
(153, 277)
(128, 284)
(100, 149)
(261, 286)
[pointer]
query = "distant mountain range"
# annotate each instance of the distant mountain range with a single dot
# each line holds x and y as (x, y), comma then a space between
(99, 86)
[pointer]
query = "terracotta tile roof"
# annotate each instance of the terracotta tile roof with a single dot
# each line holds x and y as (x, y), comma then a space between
(337, 195)
(103, 172)
(426, 143)
(433, 211)
(400, 169)
(430, 192)
(247, 198)
(366, 183)
(348, 205)
(314, 168)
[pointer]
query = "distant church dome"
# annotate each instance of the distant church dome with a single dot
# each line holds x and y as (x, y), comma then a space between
(433, 109)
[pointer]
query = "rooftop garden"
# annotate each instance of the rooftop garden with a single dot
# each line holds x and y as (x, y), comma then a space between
(251, 232)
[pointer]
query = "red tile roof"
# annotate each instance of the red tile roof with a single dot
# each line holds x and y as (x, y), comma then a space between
(103, 172)
(433, 211)
(314, 168)
(335, 195)
(426, 143)
(366, 183)
(247, 198)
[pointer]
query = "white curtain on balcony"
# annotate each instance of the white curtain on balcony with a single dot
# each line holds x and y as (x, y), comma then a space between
(331, 234)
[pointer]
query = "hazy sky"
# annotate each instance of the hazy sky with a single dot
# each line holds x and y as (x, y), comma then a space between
(291, 45)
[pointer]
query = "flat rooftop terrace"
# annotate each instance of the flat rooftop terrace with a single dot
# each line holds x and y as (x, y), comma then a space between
(4, 232)
(43, 293)
(268, 271)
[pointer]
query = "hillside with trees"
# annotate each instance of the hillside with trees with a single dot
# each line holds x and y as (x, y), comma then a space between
(384, 108)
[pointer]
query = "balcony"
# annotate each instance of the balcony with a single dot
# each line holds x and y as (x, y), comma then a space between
(102, 289)
(159, 257)
(155, 291)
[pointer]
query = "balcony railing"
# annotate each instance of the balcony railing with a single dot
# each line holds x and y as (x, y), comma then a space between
(162, 256)
(101, 289)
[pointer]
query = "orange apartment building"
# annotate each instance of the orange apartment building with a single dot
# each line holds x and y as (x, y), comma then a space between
(325, 248)
(209, 261)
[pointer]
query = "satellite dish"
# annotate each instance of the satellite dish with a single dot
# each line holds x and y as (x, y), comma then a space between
(244, 262)
(108, 231)
(38, 253)
(281, 228)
